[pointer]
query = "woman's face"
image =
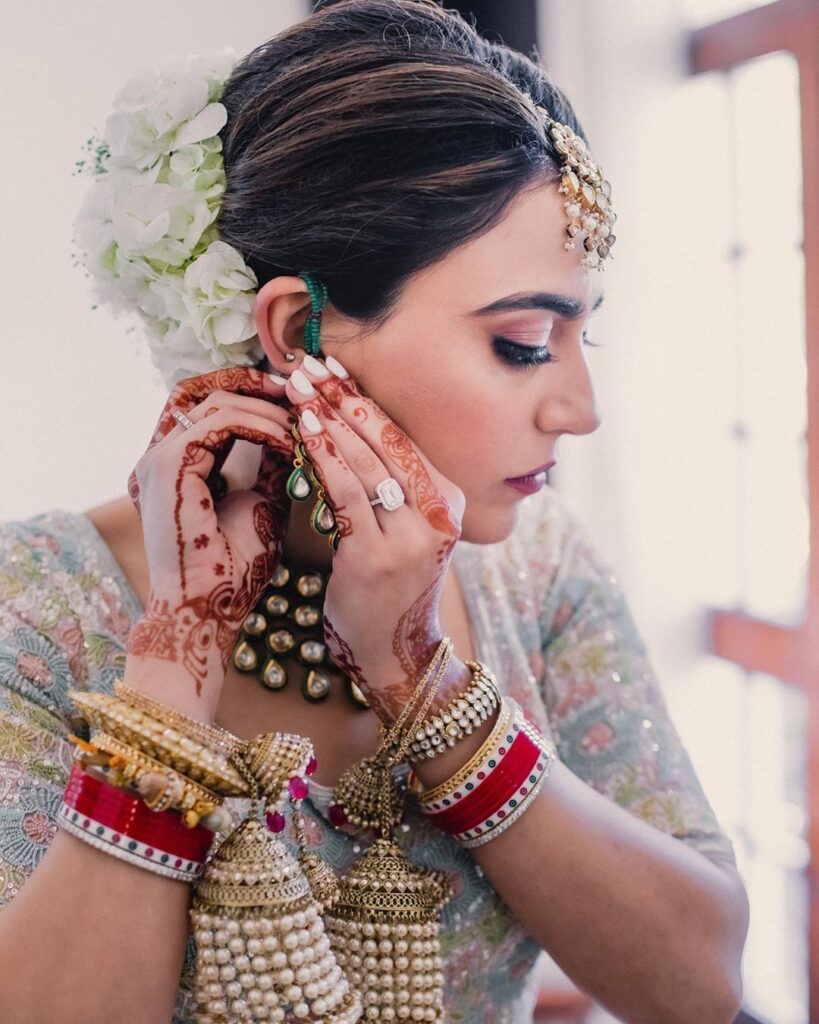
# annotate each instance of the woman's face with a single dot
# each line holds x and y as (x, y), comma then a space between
(485, 410)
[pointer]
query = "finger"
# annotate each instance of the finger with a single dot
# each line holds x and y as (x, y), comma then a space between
(421, 482)
(241, 405)
(344, 489)
(198, 450)
(241, 380)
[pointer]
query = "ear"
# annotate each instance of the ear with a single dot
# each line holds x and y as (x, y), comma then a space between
(280, 311)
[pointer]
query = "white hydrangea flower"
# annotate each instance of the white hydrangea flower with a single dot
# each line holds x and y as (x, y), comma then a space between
(147, 225)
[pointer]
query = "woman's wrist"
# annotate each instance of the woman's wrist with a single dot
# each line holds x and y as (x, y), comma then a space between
(457, 679)
(171, 684)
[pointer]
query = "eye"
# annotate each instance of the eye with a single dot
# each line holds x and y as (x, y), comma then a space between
(523, 357)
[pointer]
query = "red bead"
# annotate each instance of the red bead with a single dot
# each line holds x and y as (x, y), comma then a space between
(312, 764)
(298, 787)
(275, 821)
(337, 815)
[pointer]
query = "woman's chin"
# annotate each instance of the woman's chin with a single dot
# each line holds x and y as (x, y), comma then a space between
(488, 525)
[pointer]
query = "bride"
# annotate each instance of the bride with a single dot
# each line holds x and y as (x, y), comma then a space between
(366, 257)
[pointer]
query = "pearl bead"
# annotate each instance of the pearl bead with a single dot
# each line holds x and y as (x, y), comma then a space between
(265, 982)
(285, 976)
(254, 946)
(301, 1010)
(259, 964)
(291, 940)
(241, 963)
(227, 973)
(220, 937)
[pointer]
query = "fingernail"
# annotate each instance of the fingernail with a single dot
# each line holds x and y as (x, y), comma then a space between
(310, 422)
(301, 383)
(335, 366)
(277, 379)
(315, 367)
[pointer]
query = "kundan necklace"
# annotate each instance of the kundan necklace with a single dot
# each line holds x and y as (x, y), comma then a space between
(283, 637)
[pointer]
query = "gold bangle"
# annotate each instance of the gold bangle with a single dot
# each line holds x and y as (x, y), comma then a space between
(208, 735)
(211, 768)
(459, 718)
(195, 798)
(508, 709)
(405, 737)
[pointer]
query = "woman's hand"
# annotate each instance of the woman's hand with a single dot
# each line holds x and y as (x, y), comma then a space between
(381, 606)
(208, 564)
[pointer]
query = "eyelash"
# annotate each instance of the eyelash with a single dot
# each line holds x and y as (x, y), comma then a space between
(525, 357)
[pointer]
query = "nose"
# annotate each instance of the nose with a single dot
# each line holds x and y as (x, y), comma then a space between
(569, 403)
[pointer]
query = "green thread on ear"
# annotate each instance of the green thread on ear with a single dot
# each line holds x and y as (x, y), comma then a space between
(312, 327)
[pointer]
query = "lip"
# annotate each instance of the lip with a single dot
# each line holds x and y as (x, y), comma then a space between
(528, 476)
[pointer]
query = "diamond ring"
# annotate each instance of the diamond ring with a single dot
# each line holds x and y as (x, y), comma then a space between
(390, 495)
(182, 419)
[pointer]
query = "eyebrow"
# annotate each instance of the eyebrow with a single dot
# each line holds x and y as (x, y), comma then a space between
(565, 305)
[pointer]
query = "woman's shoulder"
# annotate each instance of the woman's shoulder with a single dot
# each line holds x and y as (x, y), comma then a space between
(65, 608)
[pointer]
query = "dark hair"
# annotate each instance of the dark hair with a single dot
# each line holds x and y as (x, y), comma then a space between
(369, 140)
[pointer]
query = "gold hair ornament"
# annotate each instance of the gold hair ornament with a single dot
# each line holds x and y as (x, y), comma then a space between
(588, 195)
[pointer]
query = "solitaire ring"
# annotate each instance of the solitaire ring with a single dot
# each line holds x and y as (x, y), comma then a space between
(182, 419)
(390, 495)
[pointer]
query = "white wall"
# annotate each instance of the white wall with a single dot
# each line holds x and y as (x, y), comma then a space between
(78, 395)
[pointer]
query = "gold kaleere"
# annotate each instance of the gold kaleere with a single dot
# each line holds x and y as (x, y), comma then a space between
(262, 951)
(384, 927)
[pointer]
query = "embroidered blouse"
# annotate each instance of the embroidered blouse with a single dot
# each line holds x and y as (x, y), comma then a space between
(548, 616)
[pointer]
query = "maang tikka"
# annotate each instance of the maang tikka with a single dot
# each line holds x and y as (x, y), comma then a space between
(588, 194)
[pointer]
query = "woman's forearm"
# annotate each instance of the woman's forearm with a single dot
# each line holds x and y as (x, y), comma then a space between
(642, 922)
(91, 939)
(645, 924)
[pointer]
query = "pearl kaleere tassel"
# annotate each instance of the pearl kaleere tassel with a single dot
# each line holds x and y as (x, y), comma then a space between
(384, 926)
(262, 951)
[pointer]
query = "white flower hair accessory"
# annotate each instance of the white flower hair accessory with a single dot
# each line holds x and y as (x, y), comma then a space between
(147, 229)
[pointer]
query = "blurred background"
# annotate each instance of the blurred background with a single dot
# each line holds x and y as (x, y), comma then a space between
(702, 486)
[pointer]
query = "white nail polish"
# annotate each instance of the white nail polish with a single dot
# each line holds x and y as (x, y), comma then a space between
(335, 366)
(277, 379)
(315, 367)
(301, 383)
(310, 422)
